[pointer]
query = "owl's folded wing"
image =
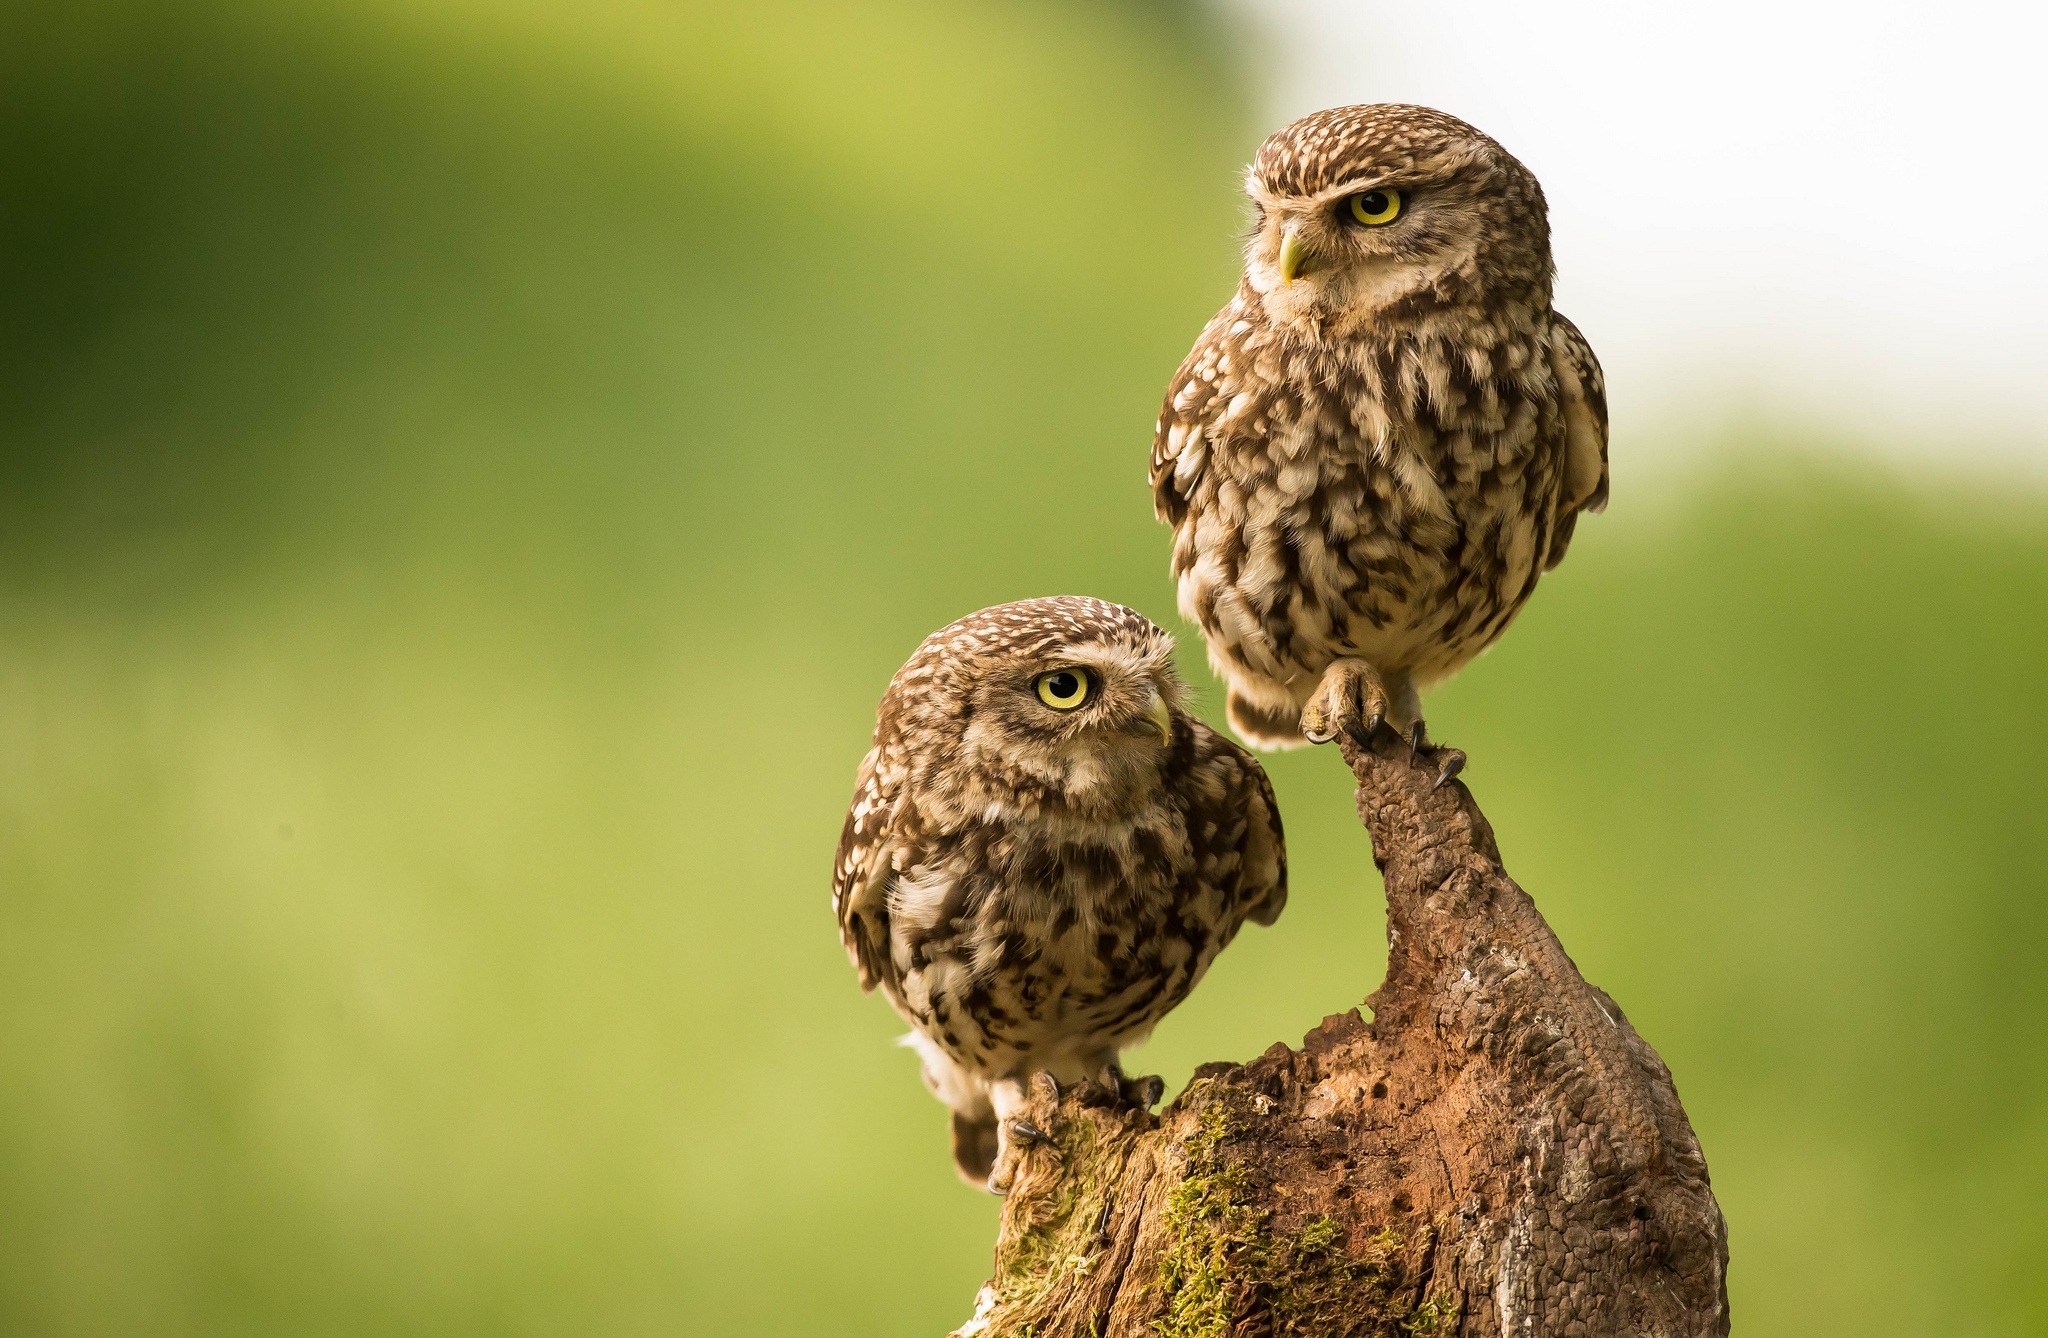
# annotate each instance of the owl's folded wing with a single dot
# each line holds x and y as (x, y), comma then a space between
(1179, 441)
(1585, 416)
(1262, 880)
(861, 869)
(1231, 798)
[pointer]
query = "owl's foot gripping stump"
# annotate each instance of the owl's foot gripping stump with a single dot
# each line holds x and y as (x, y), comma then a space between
(1496, 1153)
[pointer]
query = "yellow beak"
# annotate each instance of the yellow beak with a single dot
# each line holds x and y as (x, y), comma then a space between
(1157, 720)
(1293, 256)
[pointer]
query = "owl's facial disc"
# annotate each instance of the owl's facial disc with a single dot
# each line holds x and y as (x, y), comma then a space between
(1340, 254)
(1375, 208)
(1094, 721)
(1335, 264)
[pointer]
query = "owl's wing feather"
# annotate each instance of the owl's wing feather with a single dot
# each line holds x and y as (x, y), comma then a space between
(1585, 389)
(1585, 416)
(1179, 448)
(1264, 880)
(1235, 800)
(862, 867)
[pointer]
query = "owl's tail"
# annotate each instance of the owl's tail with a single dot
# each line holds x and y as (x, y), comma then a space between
(1266, 728)
(975, 1141)
(974, 1147)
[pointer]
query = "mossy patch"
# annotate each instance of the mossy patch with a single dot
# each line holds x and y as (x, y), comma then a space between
(1216, 1233)
(1051, 1237)
(1439, 1314)
(1224, 1262)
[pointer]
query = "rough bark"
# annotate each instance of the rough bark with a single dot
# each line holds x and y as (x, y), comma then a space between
(1496, 1152)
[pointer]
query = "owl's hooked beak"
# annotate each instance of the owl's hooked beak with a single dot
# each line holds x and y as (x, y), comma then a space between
(1293, 255)
(1155, 722)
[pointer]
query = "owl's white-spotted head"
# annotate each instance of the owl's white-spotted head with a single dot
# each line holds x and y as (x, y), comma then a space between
(1366, 217)
(1057, 708)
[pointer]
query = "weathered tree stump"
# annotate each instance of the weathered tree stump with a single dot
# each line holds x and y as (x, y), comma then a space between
(1497, 1152)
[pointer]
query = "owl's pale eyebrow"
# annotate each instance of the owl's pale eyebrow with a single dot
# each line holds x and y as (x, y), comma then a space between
(1265, 199)
(1354, 186)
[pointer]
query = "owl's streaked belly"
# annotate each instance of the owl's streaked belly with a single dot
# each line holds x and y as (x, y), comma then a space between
(1311, 545)
(1059, 970)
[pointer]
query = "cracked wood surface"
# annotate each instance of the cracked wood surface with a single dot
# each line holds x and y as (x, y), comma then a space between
(1497, 1152)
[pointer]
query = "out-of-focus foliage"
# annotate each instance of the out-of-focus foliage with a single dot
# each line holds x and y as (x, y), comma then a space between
(466, 473)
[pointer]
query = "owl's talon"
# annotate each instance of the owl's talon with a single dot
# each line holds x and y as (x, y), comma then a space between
(1026, 1134)
(1143, 1093)
(1017, 1136)
(1453, 763)
(1351, 699)
(1418, 741)
(1047, 1085)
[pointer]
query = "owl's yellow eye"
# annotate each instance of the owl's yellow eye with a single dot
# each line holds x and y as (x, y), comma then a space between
(1375, 207)
(1063, 689)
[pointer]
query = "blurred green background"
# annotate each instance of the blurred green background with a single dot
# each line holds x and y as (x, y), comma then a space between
(466, 474)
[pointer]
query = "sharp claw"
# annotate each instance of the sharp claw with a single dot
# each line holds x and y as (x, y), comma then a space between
(1415, 742)
(1453, 764)
(1314, 737)
(1048, 1082)
(1150, 1089)
(1366, 730)
(1026, 1132)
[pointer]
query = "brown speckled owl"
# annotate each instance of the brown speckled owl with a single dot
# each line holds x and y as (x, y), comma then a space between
(1044, 854)
(1384, 439)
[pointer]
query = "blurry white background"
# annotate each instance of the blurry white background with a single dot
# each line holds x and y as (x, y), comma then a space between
(1826, 219)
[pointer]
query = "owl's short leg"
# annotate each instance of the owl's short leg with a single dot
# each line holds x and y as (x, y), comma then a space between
(1013, 1134)
(1352, 698)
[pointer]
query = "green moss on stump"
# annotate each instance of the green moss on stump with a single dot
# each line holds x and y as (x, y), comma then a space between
(1439, 1314)
(1057, 1244)
(1223, 1261)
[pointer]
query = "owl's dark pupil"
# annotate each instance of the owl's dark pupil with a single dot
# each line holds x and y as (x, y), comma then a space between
(1065, 685)
(1373, 202)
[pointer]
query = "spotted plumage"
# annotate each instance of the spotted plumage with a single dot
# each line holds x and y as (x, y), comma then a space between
(1384, 439)
(1035, 884)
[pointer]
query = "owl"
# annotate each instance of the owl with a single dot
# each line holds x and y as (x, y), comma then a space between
(1044, 853)
(1386, 437)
